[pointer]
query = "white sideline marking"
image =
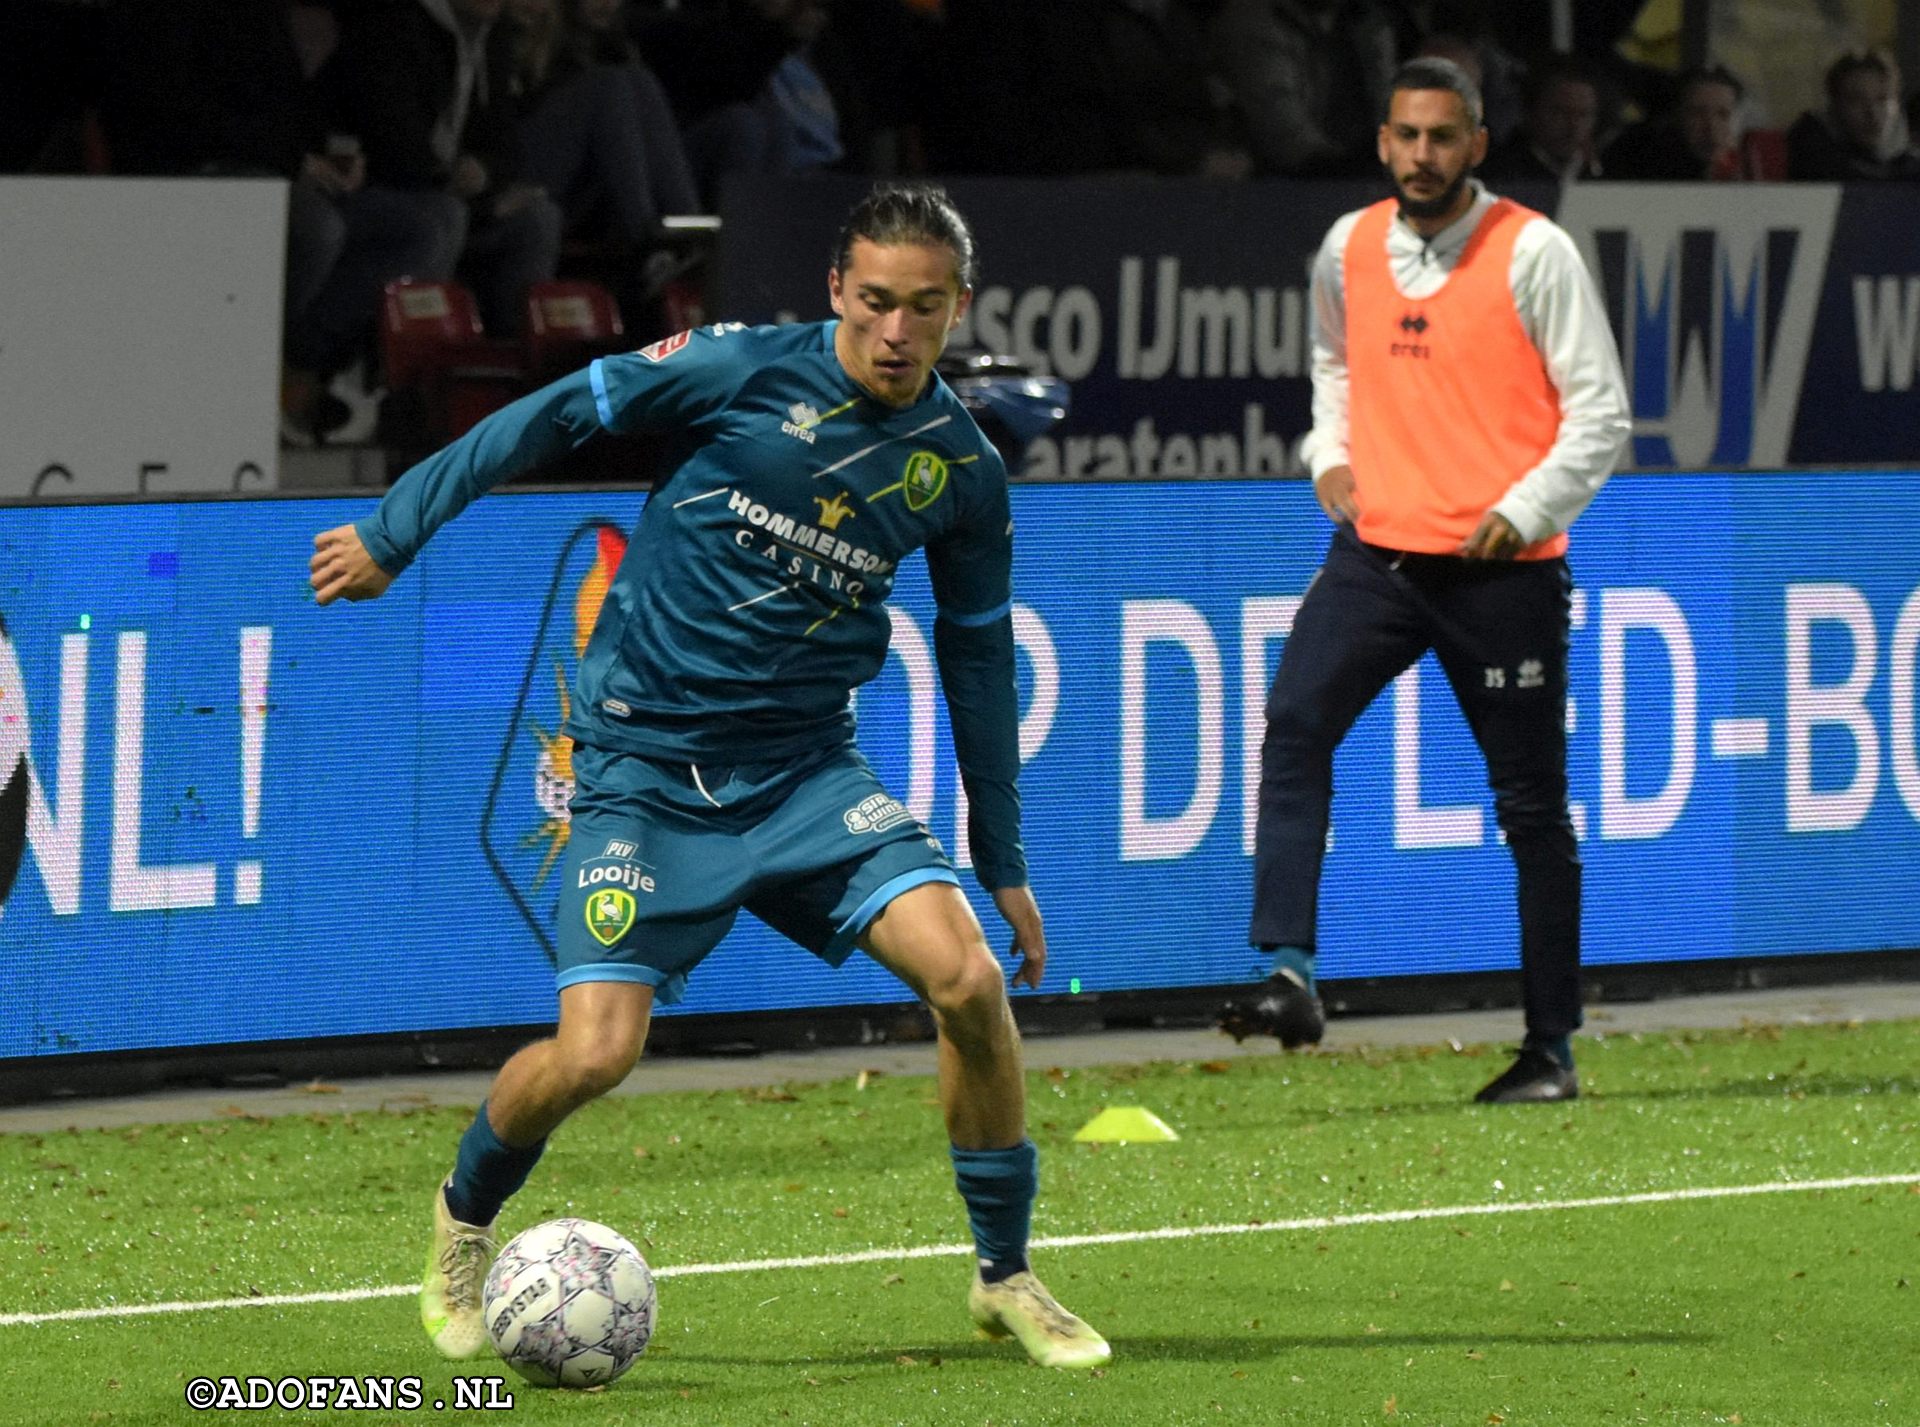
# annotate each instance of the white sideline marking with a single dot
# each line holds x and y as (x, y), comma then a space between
(1063, 1241)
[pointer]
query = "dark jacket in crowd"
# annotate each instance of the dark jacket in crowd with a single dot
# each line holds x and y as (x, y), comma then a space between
(196, 86)
(392, 79)
(710, 54)
(1815, 152)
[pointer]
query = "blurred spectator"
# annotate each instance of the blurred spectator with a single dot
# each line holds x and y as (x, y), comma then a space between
(218, 87)
(1699, 137)
(1169, 111)
(596, 126)
(49, 77)
(746, 93)
(1476, 47)
(428, 87)
(1311, 78)
(1444, 44)
(881, 123)
(1862, 134)
(1558, 134)
(1011, 92)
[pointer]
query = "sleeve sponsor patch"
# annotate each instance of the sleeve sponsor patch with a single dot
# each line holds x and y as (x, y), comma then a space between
(666, 346)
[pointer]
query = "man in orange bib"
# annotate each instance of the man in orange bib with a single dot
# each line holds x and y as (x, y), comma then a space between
(1467, 404)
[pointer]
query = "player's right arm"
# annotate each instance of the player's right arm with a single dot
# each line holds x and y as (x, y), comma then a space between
(670, 385)
(1326, 448)
(359, 561)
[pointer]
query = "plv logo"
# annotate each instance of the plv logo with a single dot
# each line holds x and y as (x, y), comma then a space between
(47, 818)
(525, 825)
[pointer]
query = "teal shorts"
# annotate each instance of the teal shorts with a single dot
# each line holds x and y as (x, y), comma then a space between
(662, 856)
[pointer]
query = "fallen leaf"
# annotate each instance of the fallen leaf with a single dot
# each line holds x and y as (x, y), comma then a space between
(1391, 1407)
(320, 1087)
(1506, 1285)
(1216, 1067)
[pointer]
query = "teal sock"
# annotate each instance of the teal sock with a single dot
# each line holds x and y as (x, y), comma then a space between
(487, 1173)
(1559, 1047)
(1294, 961)
(998, 1187)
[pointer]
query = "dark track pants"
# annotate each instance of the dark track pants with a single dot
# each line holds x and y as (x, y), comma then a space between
(1500, 632)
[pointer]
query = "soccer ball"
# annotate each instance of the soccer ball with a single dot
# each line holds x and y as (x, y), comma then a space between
(569, 1303)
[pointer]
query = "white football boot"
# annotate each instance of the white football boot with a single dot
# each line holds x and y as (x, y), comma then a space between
(1020, 1307)
(457, 1264)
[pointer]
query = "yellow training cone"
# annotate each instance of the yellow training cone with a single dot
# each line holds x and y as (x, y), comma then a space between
(1126, 1124)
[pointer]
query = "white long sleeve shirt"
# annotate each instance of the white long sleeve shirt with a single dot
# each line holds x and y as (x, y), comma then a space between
(1559, 307)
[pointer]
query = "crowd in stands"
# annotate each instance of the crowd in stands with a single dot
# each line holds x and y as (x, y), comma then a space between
(502, 141)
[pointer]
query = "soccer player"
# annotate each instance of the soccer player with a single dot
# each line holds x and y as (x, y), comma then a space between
(715, 761)
(1467, 405)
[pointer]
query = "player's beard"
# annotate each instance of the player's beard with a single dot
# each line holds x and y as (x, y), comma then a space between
(1432, 207)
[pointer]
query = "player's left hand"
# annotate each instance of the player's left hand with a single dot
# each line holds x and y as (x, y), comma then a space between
(1493, 539)
(1016, 904)
(341, 568)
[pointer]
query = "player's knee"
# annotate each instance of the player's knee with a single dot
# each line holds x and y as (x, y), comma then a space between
(1295, 724)
(593, 1070)
(1532, 812)
(971, 998)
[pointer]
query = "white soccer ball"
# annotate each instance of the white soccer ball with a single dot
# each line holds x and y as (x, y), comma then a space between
(569, 1303)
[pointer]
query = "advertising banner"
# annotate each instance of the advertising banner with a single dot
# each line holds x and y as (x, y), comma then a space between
(229, 815)
(1758, 325)
(140, 335)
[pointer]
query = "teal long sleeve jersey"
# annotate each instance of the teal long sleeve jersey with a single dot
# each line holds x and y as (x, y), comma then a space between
(751, 601)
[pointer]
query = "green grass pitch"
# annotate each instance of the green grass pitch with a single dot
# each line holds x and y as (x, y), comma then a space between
(1792, 1308)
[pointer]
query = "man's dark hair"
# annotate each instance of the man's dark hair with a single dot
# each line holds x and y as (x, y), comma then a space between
(1874, 61)
(1432, 72)
(895, 213)
(1707, 74)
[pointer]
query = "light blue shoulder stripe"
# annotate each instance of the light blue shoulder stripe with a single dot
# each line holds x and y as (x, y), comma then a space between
(601, 401)
(974, 621)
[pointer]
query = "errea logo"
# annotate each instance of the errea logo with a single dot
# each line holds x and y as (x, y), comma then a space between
(802, 418)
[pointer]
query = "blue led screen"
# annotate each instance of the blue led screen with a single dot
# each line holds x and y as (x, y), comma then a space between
(229, 815)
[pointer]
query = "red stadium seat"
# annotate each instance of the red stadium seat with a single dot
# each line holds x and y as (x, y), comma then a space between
(442, 372)
(570, 322)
